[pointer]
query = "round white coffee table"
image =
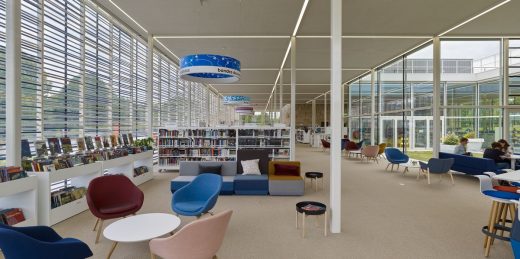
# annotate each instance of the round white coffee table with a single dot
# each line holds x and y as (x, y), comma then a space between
(140, 228)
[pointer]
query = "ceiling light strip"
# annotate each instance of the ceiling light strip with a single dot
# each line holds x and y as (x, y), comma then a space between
(367, 37)
(222, 37)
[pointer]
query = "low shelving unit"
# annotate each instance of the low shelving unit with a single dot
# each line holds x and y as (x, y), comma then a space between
(143, 159)
(21, 193)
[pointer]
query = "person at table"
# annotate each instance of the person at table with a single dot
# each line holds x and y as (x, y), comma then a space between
(462, 147)
(506, 148)
(495, 153)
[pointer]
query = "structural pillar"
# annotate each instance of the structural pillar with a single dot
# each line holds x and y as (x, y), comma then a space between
(505, 89)
(149, 86)
(281, 92)
(335, 115)
(313, 121)
(13, 100)
(372, 107)
(293, 98)
(436, 104)
(325, 110)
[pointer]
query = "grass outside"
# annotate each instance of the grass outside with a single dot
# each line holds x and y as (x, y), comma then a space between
(425, 155)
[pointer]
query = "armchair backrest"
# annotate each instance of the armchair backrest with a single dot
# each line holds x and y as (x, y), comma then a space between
(204, 186)
(110, 189)
(325, 143)
(382, 147)
(370, 151)
(351, 145)
(393, 154)
(207, 234)
(440, 166)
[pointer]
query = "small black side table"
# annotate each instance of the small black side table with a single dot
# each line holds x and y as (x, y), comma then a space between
(311, 208)
(314, 176)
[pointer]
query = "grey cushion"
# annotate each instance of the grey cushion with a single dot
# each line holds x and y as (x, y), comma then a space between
(191, 168)
(212, 169)
(286, 187)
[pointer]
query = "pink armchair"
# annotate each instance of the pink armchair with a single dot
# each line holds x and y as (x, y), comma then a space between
(370, 153)
(200, 239)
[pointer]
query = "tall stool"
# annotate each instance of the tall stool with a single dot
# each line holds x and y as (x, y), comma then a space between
(314, 176)
(502, 212)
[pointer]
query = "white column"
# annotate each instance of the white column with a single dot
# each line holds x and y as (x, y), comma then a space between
(335, 116)
(325, 110)
(149, 86)
(313, 121)
(208, 108)
(372, 107)
(281, 91)
(13, 101)
(189, 105)
(505, 89)
(436, 145)
(293, 98)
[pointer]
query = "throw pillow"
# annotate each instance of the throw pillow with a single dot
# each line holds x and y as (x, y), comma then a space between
(250, 167)
(290, 170)
(210, 169)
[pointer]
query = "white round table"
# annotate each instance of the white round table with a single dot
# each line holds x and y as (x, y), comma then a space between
(140, 228)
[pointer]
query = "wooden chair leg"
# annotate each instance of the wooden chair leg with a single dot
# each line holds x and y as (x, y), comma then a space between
(386, 169)
(95, 226)
(428, 175)
(451, 175)
(489, 221)
(152, 256)
(99, 230)
(491, 229)
(498, 218)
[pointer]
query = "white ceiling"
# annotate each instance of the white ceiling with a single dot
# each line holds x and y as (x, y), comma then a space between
(416, 19)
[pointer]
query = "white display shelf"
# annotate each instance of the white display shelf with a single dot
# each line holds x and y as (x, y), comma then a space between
(116, 162)
(21, 193)
(168, 167)
(143, 159)
(80, 176)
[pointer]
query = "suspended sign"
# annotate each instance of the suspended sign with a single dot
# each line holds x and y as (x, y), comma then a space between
(209, 68)
(244, 110)
(236, 99)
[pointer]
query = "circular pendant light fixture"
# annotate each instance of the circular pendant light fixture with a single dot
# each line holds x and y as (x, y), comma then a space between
(209, 68)
(245, 110)
(236, 100)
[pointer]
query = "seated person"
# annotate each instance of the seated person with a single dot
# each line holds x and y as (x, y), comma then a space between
(496, 154)
(506, 148)
(461, 148)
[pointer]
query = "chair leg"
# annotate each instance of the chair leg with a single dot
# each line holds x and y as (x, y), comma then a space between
(489, 221)
(386, 169)
(97, 221)
(99, 231)
(428, 174)
(152, 256)
(451, 175)
(491, 229)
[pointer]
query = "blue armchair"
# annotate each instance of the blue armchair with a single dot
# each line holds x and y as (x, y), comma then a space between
(437, 166)
(39, 242)
(197, 197)
(395, 157)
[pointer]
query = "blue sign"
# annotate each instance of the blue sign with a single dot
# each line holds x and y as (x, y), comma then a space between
(209, 68)
(236, 99)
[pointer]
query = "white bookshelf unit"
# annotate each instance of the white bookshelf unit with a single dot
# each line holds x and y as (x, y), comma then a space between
(143, 159)
(21, 193)
(218, 144)
(78, 176)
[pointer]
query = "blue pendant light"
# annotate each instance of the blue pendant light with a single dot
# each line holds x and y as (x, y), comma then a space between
(209, 68)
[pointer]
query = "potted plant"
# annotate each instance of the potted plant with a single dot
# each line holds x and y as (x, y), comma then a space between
(449, 143)
(474, 144)
(145, 144)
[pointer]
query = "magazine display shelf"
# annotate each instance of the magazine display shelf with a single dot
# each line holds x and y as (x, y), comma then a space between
(79, 176)
(143, 159)
(21, 193)
(121, 165)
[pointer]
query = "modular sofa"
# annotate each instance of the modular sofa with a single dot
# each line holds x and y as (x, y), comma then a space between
(471, 165)
(252, 184)
(285, 184)
(188, 170)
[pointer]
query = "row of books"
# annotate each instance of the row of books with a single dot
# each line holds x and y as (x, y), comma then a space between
(197, 142)
(264, 142)
(174, 161)
(197, 152)
(10, 173)
(66, 195)
(197, 133)
(140, 170)
(264, 132)
(56, 146)
(11, 216)
(67, 161)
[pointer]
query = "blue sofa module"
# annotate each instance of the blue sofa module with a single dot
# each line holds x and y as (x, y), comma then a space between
(190, 169)
(471, 165)
(252, 184)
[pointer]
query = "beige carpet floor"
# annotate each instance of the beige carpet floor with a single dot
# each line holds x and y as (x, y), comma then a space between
(384, 215)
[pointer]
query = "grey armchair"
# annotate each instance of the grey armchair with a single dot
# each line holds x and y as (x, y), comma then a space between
(437, 166)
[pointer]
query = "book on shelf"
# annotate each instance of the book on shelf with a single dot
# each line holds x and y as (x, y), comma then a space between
(54, 146)
(113, 140)
(81, 144)
(66, 145)
(26, 149)
(89, 143)
(99, 142)
(66, 195)
(120, 140)
(125, 139)
(41, 148)
(130, 138)
(10, 173)
(140, 170)
(11, 216)
(311, 207)
(106, 142)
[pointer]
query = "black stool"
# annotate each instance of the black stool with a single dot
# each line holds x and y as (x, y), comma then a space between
(313, 208)
(314, 176)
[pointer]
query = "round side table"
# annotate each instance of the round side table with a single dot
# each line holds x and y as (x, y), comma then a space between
(314, 176)
(311, 208)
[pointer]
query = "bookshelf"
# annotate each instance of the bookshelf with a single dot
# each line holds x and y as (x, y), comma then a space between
(218, 144)
(78, 176)
(143, 159)
(21, 193)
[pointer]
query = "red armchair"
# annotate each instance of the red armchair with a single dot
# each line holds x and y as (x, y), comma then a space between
(113, 196)
(325, 144)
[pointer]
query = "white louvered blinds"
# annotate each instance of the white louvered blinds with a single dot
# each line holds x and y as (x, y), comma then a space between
(2, 80)
(122, 81)
(139, 88)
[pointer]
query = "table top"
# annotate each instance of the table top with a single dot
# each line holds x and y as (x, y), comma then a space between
(316, 208)
(409, 164)
(142, 227)
(355, 151)
(513, 156)
(513, 176)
